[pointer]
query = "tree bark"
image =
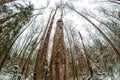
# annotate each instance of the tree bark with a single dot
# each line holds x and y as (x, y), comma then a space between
(71, 56)
(6, 1)
(2, 60)
(87, 58)
(105, 37)
(25, 70)
(41, 56)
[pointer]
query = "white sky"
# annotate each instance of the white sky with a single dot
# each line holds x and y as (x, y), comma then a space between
(80, 4)
(78, 22)
(71, 17)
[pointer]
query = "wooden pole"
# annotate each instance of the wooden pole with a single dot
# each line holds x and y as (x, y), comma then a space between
(58, 65)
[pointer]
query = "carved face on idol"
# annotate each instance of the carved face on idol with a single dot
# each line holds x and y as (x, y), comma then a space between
(59, 22)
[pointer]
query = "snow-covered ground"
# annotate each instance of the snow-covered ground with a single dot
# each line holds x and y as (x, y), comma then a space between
(5, 76)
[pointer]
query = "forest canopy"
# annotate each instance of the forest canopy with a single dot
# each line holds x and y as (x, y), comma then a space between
(59, 40)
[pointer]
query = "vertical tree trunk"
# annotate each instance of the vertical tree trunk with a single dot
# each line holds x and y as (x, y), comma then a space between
(26, 68)
(73, 65)
(6, 1)
(25, 43)
(71, 57)
(2, 59)
(106, 26)
(5, 53)
(105, 37)
(22, 58)
(87, 58)
(58, 65)
(41, 56)
(75, 71)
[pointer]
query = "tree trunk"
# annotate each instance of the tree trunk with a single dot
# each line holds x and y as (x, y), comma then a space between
(58, 65)
(105, 37)
(71, 56)
(87, 58)
(25, 70)
(2, 60)
(24, 45)
(106, 26)
(41, 56)
(6, 1)
(22, 58)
